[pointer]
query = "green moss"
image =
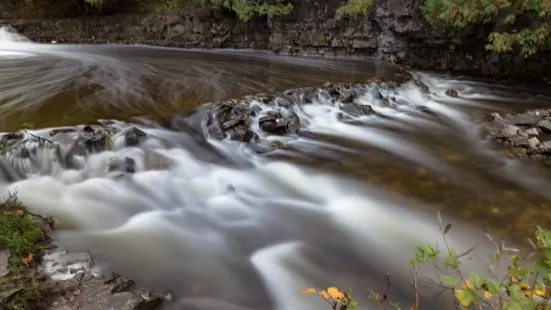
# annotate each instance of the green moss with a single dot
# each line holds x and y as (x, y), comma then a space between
(22, 236)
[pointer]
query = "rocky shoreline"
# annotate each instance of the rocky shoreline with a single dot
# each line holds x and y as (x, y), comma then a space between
(50, 278)
(526, 134)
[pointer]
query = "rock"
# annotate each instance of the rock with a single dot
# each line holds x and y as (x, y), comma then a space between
(134, 136)
(519, 141)
(4, 257)
(354, 109)
(452, 92)
(278, 124)
(533, 142)
(495, 116)
(233, 120)
(530, 132)
(545, 125)
(525, 119)
(508, 131)
(545, 147)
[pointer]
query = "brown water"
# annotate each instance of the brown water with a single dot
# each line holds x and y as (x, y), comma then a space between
(420, 162)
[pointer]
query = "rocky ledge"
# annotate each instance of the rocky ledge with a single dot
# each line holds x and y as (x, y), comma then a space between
(35, 274)
(526, 134)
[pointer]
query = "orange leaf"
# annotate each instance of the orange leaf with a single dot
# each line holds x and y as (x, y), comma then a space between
(27, 260)
(335, 293)
(325, 295)
(308, 291)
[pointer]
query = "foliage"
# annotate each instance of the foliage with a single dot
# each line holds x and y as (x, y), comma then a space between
(21, 235)
(526, 284)
(245, 9)
(19, 232)
(354, 8)
(521, 25)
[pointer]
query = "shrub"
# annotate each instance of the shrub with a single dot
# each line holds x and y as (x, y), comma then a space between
(526, 284)
(520, 25)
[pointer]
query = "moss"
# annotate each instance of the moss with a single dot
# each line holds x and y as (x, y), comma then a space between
(21, 234)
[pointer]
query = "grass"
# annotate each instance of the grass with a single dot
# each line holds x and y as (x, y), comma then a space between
(526, 284)
(21, 235)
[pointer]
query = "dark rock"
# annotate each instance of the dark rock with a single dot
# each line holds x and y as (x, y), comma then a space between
(452, 92)
(526, 119)
(354, 109)
(134, 136)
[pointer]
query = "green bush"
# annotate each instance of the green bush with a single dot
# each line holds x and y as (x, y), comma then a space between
(246, 9)
(522, 26)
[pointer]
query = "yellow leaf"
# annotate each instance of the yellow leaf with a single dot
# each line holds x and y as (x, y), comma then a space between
(308, 291)
(324, 295)
(335, 293)
(463, 297)
(487, 295)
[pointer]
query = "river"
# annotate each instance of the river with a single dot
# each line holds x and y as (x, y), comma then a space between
(344, 206)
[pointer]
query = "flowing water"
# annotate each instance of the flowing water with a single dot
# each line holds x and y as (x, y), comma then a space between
(223, 227)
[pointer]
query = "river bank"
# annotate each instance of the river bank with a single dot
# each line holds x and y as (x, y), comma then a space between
(393, 31)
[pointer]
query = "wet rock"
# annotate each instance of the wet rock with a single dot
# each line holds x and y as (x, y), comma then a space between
(545, 125)
(231, 120)
(452, 92)
(134, 136)
(279, 124)
(525, 119)
(357, 109)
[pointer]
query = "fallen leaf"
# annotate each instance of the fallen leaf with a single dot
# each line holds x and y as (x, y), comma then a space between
(27, 260)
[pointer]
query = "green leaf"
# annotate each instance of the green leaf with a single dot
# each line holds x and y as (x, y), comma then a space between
(492, 287)
(452, 259)
(449, 281)
(430, 251)
(476, 280)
